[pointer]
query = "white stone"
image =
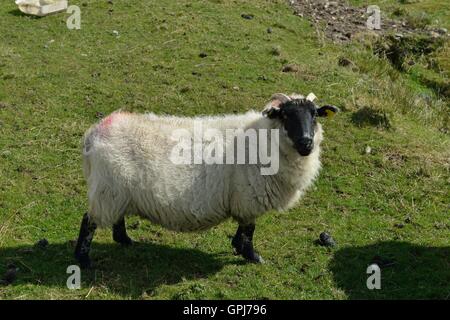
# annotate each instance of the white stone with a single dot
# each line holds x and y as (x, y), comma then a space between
(41, 7)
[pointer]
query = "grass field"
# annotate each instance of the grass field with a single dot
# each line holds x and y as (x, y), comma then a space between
(391, 204)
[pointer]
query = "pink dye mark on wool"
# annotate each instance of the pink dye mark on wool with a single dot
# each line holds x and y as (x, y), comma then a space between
(107, 122)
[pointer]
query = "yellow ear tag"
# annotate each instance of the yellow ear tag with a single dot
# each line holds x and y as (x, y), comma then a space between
(330, 113)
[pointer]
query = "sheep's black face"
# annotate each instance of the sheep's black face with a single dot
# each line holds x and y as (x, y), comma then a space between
(299, 120)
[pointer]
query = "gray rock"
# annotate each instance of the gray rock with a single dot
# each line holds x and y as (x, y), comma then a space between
(247, 16)
(326, 240)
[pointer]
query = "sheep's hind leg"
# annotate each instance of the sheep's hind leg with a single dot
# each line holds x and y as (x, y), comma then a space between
(237, 242)
(85, 237)
(120, 233)
(243, 243)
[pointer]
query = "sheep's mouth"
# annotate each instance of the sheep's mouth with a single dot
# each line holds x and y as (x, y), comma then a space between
(304, 153)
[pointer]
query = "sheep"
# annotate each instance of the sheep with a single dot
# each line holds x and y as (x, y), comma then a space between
(129, 169)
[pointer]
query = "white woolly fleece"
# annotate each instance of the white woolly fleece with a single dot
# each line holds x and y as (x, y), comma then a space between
(129, 171)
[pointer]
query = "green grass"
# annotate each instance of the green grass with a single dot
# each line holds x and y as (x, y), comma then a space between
(51, 91)
(435, 11)
(431, 70)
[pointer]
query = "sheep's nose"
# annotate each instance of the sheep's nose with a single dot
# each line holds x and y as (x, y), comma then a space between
(306, 143)
(304, 146)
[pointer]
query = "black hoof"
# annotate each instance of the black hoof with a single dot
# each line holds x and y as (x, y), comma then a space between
(120, 233)
(254, 258)
(125, 241)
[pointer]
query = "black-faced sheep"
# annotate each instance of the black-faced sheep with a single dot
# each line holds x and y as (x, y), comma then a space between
(130, 169)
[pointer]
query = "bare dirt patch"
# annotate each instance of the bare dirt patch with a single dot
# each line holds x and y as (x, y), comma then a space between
(342, 21)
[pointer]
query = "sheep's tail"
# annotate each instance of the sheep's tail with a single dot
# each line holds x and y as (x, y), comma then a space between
(88, 142)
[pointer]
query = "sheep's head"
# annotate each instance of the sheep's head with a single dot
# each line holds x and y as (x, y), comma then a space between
(298, 117)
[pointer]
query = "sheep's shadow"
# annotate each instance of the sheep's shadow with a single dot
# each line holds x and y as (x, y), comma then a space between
(128, 271)
(408, 271)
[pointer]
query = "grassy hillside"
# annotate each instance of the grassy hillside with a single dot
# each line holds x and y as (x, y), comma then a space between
(201, 57)
(429, 18)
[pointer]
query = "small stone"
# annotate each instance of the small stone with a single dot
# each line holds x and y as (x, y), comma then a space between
(326, 240)
(115, 32)
(42, 243)
(290, 68)
(442, 30)
(247, 16)
(344, 62)
(236, 88)
(368, 150)
(269, 30)
(263, 78)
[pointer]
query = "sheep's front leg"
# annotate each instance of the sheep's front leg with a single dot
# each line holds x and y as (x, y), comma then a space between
(120, 233)
(243, 243)
(85, 237)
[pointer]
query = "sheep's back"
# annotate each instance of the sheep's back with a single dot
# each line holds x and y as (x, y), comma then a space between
(133, 153)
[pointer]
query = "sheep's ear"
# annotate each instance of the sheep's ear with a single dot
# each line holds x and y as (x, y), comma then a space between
(273, 107)
(272, 113)
(327, 111)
